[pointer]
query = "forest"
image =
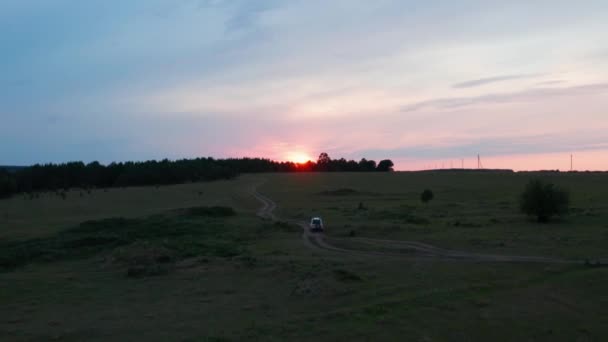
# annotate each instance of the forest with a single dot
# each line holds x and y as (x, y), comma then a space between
(52, 177)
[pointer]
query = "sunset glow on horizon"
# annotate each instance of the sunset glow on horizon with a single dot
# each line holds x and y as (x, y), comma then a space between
(427, 85)
(581, 161)
(299, 157)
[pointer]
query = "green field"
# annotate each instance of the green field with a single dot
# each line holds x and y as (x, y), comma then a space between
(471, 211)
(174, 263)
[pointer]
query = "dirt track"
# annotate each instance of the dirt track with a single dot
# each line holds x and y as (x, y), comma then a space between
(402, 249)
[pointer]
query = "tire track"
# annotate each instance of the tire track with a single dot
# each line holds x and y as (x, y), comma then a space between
(310, 239)
(419, 249)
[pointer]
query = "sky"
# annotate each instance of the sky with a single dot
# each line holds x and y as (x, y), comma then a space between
(428, 84)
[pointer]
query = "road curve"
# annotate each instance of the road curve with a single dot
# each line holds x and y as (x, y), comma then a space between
(414, 249)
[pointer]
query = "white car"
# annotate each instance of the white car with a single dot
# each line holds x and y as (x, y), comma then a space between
(316, 224)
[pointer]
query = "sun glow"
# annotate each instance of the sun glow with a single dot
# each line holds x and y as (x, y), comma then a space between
(298, 157)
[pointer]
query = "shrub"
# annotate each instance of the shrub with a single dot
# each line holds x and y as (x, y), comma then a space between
(143, 259)
(544, 200)
(346, 276)
(8, 184)
(385, 165)
(340, 192)
(140, 271)
(282, 226)
(426, 196)
(210, 211)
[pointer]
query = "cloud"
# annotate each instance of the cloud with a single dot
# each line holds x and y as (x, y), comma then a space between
(497, 146)
(551, 82)
(160, 78)
(248, 13)
(241, 14)
(495, 79)
(534, 94)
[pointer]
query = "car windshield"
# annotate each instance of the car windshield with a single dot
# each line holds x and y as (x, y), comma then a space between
(316, 221)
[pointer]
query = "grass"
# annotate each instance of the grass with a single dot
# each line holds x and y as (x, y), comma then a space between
(25, 216)
(210, 270)
(471, 211)
(189, 232)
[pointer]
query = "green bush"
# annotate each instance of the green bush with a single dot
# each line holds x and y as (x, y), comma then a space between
(210, 211)
(544, 200)
(346, 276)
(8, 184)
(192, 232)
(426, 196)
(340, 192)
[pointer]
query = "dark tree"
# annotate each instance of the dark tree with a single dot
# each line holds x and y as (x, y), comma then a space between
(426, 196)
(323, 162)
(54, 177)
(323, 158)
(8, 184)
(367, 165)
(544, 200)
(385, 165)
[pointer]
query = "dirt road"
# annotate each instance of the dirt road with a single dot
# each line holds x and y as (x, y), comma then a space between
(394, 248)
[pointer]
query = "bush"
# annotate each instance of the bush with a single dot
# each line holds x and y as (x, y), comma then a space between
(281, 226)
(157, 239)
(544, 200)
(340, 192)
(385, 165)
(216, 211)
(143, 259)
(346, 276)
(8, 184)
(426, 196)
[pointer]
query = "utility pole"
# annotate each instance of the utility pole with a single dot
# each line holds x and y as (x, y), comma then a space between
(571, 163)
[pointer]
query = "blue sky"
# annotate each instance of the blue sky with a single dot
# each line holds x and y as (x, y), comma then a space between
(524, 84)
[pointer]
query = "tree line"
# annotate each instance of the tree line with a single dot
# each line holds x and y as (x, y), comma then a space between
(52, 177)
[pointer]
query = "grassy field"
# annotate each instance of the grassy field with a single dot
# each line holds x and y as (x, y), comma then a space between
(169, 264)
(470, 211)
(27, 216)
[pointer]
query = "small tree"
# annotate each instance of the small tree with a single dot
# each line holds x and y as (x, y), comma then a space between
(544, 200)
(426, 196)
(385, 165)
(367, 165)
(8, 184)
(323, 162)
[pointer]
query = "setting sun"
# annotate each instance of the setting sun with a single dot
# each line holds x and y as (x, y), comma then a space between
(298, 157)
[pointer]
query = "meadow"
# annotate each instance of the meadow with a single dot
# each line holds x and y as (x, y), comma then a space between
(471, 210)
(193, 262)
